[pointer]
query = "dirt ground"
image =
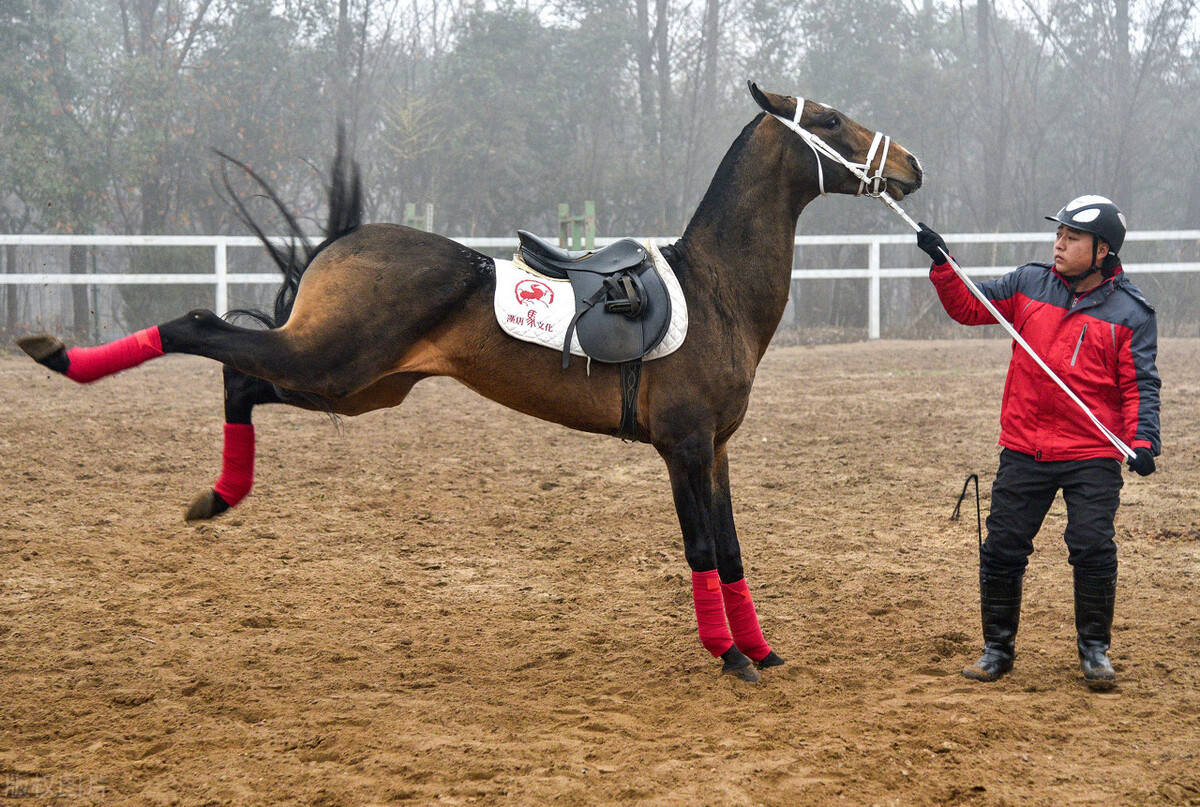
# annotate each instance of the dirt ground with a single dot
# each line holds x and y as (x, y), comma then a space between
(452, 603)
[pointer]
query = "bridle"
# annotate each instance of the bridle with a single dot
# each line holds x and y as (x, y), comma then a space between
(872, 185)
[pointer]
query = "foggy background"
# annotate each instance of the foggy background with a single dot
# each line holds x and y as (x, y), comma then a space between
(495, 112)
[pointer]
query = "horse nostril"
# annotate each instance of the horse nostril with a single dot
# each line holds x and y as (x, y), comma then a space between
(916, 167)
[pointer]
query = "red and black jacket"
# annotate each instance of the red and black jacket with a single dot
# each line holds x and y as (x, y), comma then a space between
(1103, 346)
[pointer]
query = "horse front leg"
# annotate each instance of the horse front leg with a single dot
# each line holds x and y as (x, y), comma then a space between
(690, 465)
(739, 606)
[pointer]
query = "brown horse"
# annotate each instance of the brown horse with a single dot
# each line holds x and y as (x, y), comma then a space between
(378, 307)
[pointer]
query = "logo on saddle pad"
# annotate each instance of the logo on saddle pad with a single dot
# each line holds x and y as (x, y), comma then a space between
(534, 291)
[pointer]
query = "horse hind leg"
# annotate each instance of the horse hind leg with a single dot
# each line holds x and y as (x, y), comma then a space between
(88, 364)
(242, 393)
(267, 354)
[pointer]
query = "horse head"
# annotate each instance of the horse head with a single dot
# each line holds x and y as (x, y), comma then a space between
(888, 166)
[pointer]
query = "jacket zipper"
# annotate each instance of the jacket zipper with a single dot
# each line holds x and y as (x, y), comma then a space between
(1078, 344)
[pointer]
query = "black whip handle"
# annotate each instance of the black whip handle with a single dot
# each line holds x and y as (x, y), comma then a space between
(958, 506)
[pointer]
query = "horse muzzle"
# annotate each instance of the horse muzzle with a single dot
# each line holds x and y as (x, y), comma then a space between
(898, 188)
(918, 175)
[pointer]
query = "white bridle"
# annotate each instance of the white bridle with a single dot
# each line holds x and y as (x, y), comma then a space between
(872, 185)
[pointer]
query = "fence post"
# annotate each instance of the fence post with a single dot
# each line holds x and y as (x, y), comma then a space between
(577, 232)
(422, 222)
(873, 292)
(221, 269)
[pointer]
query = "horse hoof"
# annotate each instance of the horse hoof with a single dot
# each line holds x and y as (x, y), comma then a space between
(40, 346)
(772, 659)
(737, 664)
(206, 505)
(746, 673)
(47, 350)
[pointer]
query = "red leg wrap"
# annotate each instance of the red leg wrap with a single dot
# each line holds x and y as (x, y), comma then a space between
(237, 463)
(744, 620)
(710, 613)
(90, 363)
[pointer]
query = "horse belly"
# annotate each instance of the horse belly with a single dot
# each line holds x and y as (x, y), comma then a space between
(528, 378)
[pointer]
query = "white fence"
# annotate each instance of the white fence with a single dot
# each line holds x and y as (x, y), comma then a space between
(221, 278)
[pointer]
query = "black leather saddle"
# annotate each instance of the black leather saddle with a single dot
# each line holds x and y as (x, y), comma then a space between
(622, 307)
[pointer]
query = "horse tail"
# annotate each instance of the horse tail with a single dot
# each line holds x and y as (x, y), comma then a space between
(344, 193)
(243, 392)
(345, 198)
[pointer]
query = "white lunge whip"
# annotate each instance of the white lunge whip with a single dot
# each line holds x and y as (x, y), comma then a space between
(882, 194)
(1116, 441)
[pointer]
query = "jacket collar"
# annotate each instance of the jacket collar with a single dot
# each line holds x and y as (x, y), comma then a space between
(1095, 296)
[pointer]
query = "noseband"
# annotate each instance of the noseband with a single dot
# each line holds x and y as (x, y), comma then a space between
(870, 184)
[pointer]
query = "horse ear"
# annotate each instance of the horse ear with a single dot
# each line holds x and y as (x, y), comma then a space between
(770, 102)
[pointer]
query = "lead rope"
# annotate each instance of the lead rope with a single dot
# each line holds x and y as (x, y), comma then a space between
(857, 169)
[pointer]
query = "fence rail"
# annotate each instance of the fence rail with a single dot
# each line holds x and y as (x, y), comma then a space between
(221, 278)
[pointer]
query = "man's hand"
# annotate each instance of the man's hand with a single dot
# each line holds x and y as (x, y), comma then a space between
(931, 243)
(1142, 462)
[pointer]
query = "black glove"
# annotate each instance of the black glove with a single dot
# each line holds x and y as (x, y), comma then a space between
(931, 243)
(1142, 462)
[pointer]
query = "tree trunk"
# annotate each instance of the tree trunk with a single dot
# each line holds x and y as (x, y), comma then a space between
(645, 68)
(1192, 208)
(11, 311)
(668, 223)
(341, 78)
(710, 37)
(990, 119)
(663, 43)
(1122, 178)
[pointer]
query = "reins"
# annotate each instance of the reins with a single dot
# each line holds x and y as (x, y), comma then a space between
(875, 186)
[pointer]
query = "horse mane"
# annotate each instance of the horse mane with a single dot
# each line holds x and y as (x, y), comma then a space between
(716, 198)
(345, 216)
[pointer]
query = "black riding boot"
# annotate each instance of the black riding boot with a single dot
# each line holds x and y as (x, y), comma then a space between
(1000, 607)
(1094, 599)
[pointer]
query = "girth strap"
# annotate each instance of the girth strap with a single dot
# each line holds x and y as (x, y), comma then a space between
(631, 381)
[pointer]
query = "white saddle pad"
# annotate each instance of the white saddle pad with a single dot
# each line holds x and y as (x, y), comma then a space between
(535, 308)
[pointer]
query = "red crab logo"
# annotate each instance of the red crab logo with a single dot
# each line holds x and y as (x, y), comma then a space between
(533, 291)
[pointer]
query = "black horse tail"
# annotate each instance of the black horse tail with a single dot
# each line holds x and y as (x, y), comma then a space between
(345, 216)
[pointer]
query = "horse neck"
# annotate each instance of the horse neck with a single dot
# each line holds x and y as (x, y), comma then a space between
(741, 237)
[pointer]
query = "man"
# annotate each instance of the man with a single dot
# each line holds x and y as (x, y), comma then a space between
(1096, 331)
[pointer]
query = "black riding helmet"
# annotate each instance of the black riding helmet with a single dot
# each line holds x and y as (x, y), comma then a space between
(1100, 217)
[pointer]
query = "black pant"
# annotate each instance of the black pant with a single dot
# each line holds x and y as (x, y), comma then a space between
(1021, 496)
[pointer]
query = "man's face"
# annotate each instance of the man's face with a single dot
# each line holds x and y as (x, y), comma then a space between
(1073, 251)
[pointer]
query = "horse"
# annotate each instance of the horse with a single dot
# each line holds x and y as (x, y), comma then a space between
(375, 308)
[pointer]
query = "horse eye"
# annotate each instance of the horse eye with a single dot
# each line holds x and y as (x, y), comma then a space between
(831, 122)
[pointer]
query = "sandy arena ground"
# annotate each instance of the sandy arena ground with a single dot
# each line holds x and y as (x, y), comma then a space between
(452, 603)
